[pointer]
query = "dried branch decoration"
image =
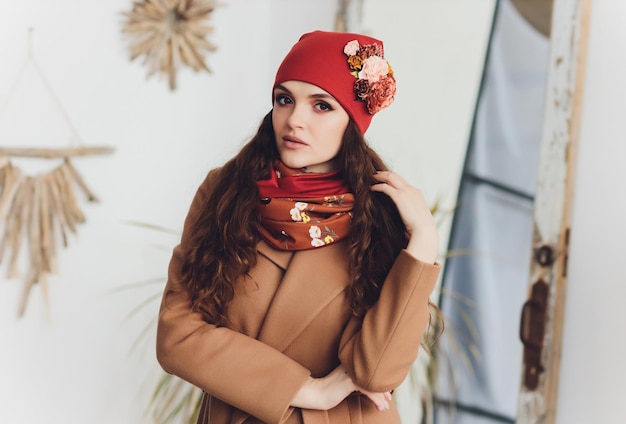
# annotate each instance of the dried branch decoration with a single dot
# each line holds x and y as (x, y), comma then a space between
(170, 33)
(37, 210)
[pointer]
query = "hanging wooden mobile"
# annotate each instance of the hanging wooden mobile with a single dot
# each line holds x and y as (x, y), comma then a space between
(38, 211)
(170, 33)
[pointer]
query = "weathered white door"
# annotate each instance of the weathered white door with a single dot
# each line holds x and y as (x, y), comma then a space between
(542, 315)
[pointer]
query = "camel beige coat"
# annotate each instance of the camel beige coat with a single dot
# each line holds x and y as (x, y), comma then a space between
(291, 319)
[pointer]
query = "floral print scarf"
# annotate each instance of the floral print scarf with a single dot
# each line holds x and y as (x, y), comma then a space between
(301, 210)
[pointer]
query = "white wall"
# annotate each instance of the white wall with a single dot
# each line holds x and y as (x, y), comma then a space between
(437, 51)
(593, 369)
(75, 364)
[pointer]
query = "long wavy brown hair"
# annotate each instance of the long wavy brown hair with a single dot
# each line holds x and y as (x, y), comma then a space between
(222, 246)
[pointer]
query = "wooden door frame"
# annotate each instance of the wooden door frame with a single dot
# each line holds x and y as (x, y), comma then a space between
(537, 402)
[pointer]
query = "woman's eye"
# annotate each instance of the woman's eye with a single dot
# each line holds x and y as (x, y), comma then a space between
(281, 99)
(323, 106)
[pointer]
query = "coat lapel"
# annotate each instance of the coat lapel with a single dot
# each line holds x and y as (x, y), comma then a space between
(281, 258)
(312, 279)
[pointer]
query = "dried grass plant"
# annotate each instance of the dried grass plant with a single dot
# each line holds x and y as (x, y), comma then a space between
(463, 348)
(173, 400)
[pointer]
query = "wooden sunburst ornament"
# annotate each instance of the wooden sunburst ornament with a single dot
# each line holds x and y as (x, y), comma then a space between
(169, 34)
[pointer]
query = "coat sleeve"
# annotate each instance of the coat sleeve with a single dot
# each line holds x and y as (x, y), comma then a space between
(379, 350)
(235, 368)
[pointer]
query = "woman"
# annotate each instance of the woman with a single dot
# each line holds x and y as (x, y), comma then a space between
(299, 290)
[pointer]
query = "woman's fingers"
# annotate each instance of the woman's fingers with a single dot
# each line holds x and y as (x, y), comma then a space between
(381, 400)
(327, 392)
(414, 211)
(396, 187)
(408, 199)
(390, 178)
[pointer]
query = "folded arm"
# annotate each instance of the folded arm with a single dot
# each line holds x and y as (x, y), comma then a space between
(379, 350)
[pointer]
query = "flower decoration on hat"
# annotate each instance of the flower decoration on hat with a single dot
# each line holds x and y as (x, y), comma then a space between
(375, 84)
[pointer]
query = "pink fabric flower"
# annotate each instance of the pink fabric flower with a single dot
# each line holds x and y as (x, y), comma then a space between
(374, 68)
(351, 48)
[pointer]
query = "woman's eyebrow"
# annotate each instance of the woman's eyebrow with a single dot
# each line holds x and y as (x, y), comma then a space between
(323, 96)
(282, 87)
(316, 95)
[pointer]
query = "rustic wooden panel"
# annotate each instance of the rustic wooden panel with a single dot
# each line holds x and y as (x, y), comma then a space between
(564, 91)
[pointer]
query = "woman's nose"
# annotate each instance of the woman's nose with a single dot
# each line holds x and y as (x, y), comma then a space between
(296, 117)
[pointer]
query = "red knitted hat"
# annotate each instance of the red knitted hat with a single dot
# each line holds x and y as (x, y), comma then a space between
(351, 67)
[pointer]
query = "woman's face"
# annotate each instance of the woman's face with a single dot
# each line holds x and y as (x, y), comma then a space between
(309, 125)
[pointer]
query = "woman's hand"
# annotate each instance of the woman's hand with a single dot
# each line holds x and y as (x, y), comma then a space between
(415, 213)
(327, 392)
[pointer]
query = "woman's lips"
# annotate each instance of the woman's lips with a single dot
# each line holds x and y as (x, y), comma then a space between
(293, 143)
